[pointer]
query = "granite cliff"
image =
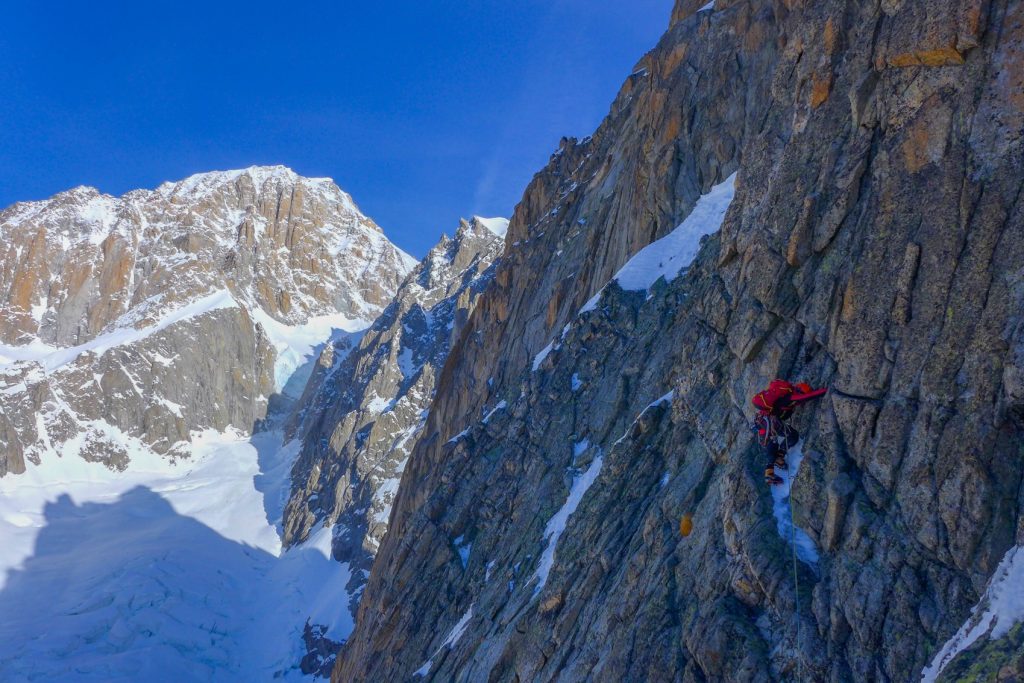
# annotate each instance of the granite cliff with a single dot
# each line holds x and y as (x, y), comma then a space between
(872, 243)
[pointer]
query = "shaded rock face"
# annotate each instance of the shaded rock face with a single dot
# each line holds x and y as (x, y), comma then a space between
(321, 652)
(129, 322)
(874, 245)
(363, 409)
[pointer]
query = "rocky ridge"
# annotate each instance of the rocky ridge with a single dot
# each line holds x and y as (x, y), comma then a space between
(873, 245)
(363, 408)
(130, 322)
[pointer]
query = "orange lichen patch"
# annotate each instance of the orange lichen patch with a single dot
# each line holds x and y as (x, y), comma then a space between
(686, 525)
(821, 86)
(903, 60)
(941, 56)
(831, 37)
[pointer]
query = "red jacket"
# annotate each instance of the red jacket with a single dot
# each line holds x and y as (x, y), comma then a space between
(781, 397)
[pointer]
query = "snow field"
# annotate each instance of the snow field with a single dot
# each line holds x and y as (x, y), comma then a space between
(174, 570)
(167, 571)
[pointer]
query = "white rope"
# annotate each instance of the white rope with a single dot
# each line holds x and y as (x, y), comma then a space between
(796, 583)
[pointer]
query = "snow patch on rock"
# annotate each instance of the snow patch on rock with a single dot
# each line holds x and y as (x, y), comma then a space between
(453, 637)
(796, 537)
(670, 256)
(501, 406)
(1001, 606)
(581, 483)
(542, 354)
(499, 226)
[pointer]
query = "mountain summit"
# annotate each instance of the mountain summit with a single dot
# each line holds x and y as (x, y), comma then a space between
(81, 262)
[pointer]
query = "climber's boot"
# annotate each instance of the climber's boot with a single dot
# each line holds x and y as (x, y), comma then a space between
(770, 477)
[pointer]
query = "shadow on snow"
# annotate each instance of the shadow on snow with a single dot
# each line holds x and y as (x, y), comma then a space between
(126, 586)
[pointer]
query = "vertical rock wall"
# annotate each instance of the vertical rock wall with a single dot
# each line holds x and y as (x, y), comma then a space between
(874, 245)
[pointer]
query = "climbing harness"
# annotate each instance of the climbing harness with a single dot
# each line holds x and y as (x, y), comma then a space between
(770, 429)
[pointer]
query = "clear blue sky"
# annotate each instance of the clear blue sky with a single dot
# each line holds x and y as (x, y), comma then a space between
(424, 111)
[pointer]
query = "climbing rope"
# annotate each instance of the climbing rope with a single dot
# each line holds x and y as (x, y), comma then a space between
(796, 581)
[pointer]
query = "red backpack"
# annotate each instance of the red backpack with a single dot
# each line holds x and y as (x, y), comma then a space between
(765, 400)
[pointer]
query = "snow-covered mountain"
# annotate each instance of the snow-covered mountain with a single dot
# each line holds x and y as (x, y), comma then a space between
(361, 412)
(144, 338)
(134, 321)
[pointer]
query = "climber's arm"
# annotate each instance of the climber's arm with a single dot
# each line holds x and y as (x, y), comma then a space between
(807, 396)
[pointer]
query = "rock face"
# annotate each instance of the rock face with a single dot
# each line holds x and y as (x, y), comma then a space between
(129, 322)
(874, 245)
(363, 409)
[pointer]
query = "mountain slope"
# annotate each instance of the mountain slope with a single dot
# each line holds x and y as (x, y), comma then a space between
(149, 316)
(873, 245)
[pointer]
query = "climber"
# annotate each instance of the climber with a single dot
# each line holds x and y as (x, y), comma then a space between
(774, 433)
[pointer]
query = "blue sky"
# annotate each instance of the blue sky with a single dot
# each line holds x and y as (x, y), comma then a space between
(424, 111)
